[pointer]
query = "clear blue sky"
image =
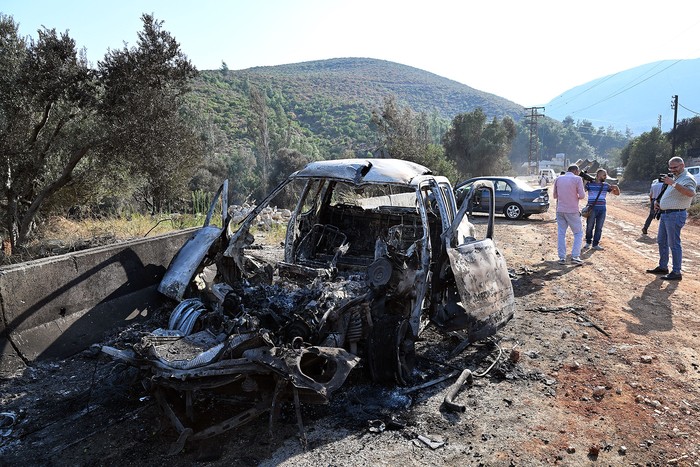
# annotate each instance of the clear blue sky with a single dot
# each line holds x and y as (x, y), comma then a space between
(528, 52)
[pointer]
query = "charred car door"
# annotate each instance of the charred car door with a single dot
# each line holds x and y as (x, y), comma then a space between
(472, 291)
(190, 260)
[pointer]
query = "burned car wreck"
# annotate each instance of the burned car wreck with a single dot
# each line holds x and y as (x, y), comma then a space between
(374, 251)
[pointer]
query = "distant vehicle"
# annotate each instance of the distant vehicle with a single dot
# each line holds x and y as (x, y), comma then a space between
(549, 175)
(515, 199)
(695, 172)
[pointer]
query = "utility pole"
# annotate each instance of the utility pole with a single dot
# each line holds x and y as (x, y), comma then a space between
(674, 106)
(534, 146)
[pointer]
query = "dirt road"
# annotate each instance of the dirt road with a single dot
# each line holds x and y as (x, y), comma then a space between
(600, 366)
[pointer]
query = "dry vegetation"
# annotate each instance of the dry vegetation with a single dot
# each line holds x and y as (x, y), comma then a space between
(59, 234)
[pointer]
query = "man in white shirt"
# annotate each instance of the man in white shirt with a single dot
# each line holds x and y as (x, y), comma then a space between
(673, 203)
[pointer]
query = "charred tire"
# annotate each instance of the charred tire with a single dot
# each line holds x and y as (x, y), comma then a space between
(513, 211)
(391, 351)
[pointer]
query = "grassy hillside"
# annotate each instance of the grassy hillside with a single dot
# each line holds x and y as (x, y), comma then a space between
(323, 109)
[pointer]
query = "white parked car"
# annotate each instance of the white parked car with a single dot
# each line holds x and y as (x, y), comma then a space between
(548, 174)
(695, 172)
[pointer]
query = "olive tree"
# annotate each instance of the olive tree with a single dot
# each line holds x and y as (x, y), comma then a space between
(62, 123)
(479, 147)
(47, 106)
(405, 134)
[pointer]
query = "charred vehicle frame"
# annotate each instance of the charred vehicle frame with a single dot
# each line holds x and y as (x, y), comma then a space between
(374, 250)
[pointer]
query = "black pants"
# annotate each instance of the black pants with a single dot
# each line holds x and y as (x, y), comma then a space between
(650, 217)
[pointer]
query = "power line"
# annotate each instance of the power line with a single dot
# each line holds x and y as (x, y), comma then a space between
(627, 88)
(608, 78)
(594, 85)
(689, 110)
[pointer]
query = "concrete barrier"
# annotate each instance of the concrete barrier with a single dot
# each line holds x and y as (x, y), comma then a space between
(55, 307)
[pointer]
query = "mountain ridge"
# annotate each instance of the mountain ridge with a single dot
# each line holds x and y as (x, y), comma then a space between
(396, 78)
(635, 98)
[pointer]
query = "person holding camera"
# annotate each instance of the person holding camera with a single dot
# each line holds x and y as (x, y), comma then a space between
(568, 190)
(597, 189)
(654, 192)
(672, 204)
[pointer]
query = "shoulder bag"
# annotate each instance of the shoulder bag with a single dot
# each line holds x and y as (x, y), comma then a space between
(588, 209)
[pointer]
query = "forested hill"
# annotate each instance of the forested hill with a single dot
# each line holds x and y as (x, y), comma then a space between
(369, 81)
(332, 100)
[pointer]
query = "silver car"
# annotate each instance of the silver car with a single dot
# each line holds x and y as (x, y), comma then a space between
(515, 198)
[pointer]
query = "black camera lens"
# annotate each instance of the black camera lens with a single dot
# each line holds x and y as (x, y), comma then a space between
(586, 176)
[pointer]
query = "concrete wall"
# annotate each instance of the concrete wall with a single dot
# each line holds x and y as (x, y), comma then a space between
(55, 307)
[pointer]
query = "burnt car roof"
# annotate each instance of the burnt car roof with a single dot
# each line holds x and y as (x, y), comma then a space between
(361, 171)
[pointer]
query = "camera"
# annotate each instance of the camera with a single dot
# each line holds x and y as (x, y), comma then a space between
(586, 176)
(662, 176)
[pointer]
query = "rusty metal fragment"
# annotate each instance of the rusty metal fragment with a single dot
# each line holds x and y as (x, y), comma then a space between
(448, 402)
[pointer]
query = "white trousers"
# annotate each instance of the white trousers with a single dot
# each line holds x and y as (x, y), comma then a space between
(564, 221)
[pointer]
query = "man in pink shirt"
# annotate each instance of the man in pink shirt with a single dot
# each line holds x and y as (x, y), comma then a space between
(568, 191)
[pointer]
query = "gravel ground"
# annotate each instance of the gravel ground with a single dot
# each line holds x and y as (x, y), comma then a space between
(599, 366)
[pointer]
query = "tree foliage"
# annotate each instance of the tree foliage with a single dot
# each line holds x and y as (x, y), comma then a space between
(646, 156)
(404, 134)
(479, 147)
(144, 87)
(286, 161)
(274, 130)
(244, 175)
(686, 134)
(46, 113)
(260, 131)
(63, 124)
